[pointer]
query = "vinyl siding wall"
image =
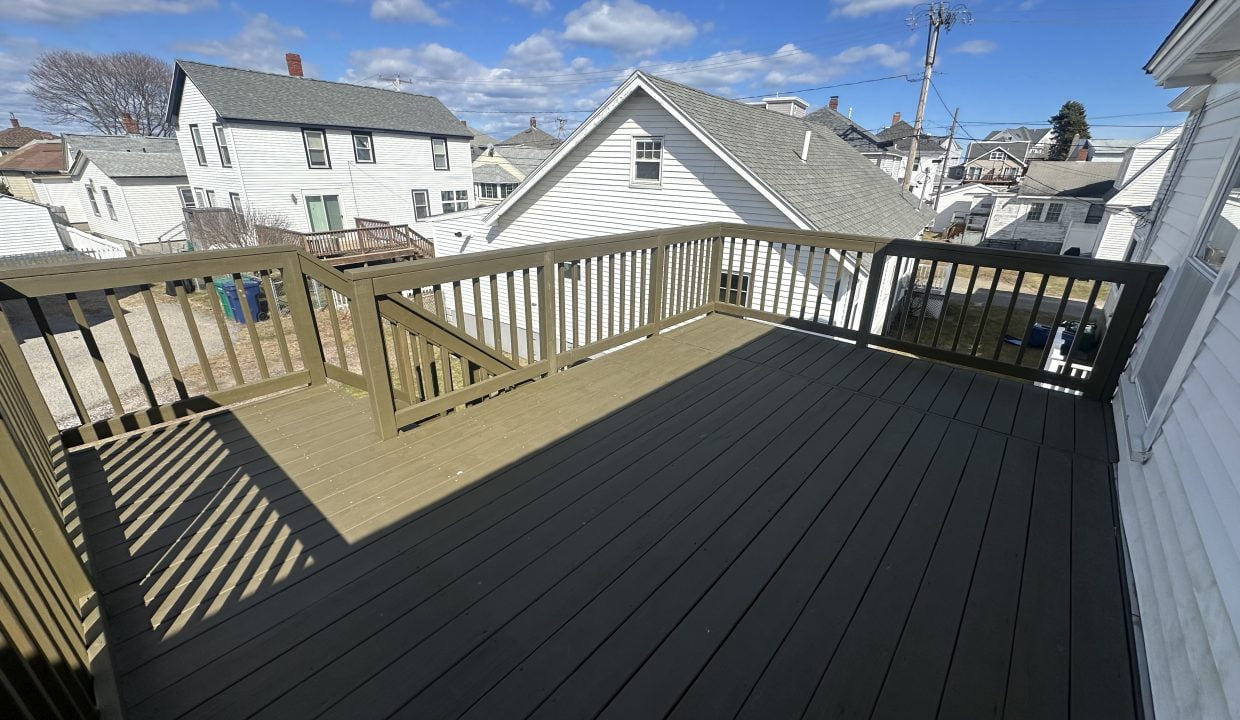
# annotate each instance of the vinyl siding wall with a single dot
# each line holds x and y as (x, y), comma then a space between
(1142, 175)
(26, 228)
(154, 206)
(195, 110)
(122, 227)
(20, 186)
(1179, 509)
(1008, 219)
(62, 192)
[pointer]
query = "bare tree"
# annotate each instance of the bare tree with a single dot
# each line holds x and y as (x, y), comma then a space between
(96, 90)
(218, 228)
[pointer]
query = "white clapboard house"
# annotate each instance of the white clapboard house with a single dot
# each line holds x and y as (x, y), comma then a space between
(318, 154)
(1179, 404)
(658, 154)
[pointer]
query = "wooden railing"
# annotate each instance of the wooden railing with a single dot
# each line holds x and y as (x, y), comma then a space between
(369, 237)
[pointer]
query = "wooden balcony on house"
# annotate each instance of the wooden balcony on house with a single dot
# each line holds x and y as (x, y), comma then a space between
(717, 471)
(370, 241)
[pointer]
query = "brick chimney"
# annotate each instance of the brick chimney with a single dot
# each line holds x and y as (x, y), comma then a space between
(533, 121)
(130, 125)
(1083, 153)
(895, 118)
(13, 121)
(293, 60)
(834, 102)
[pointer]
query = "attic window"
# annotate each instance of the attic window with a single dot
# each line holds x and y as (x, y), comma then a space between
(647, 160)
(996, 154)
(316, 148)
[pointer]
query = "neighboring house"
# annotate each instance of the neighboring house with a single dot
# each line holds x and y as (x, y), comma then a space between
(533, 137)
(935, 154)
(1140, 176)
(1040, 140)
(479, 141)
(967, 205)
(1100, 150)
(131, 187)
(881, 152)
(317, 154)
(660, 154)
(1178, 409)
(16, 136)
(22, 168)
(26, 228)
(1057, 205)
(994, 163)
(499, 169)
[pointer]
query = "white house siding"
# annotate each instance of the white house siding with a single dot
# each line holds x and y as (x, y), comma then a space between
(122, 227)
(26, 228)
(60, 191)
(1179, 509)
(1116, 233)
(195, 110)
(1145, 166)
(1007, 220)
(20, 186)
(154, 206)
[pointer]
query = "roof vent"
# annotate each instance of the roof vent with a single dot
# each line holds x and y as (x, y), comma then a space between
(805, 146)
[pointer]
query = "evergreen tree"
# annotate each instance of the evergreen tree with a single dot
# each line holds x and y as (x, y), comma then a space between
(1067, 124)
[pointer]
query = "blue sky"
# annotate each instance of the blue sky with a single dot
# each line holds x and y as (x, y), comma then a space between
(495, 62)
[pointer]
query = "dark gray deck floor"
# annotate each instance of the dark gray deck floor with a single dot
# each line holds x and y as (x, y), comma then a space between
(728, 520)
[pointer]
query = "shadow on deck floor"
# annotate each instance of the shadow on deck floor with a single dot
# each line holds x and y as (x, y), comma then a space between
(728, 520)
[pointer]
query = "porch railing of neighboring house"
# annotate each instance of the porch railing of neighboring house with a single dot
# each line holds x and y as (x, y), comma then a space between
(369, 237)
(992, 177)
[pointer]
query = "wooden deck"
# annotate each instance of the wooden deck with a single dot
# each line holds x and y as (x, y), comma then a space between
(728, 520)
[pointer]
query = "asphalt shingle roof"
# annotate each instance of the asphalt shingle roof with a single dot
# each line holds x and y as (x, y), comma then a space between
(38, 156)
(524, 157)
(977, 149)
(533, 137)
(493, 173)
(1017, 134)
(836, 189)
(856, 136)
(480, 139)
(1072, 178)
(119, 156)
(268, 97)
(15, 137)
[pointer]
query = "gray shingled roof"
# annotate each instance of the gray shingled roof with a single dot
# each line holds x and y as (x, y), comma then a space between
(837, 189)
(859, 138)
(120, 156)
(267, 97)
(480, 139)
(1077, 178)
(534, 137)
(523, 157)
(899, 130)
(493, 173)
(977, 149)
(1029, 135)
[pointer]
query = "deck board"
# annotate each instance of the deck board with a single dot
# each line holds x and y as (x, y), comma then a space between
(727, 520)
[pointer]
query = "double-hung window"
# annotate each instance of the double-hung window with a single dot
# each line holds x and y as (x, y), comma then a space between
(421, 204)
(107, 201)
(187, 197)
(363, 147)
(1094, 216)
(1035, 212)
(454, 200)
(94, 202)
(222, 143)
(316, 148)
(234, 200)
(647, 160)
(439, 153)
(1053, 211)
(199, 151)
(210, 198)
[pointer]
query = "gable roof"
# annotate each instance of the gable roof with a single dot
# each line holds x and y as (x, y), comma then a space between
(534, 137)
(480, 139)
(899, 130)
(494, 173)
(128, 156)
(1069, 178)
(237, 94)
(524, 157)
(858, 137)
(1029, 135)
(835, 190)
(37, 156)
(16, 137)
(1016, 150)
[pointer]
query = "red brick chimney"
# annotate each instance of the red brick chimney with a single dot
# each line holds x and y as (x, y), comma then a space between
(895, 118)
(834, 102)
(1083, 153)
(294, 64)
(533, 121)
(13, 121)
(130, 125)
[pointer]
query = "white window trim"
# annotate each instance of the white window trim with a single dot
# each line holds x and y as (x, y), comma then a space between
(633, 179)
(327, 155)
(447, 159)
(426, 194)
(181, 190)
(1047, 216)
(107, 201)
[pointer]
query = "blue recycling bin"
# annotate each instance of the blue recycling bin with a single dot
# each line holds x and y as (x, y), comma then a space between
(228, 291)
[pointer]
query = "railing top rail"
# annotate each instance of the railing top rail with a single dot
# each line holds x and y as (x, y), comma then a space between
(1062, 265)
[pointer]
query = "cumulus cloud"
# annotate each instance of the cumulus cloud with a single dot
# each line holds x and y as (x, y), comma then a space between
(859, 8)
(16, 55)
(976, 47)
(627, 26)
(64, 11)
(260, 45)
(407, 11)
(535, 6)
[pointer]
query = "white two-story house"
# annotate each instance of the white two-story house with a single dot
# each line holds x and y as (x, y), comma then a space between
(318, 154)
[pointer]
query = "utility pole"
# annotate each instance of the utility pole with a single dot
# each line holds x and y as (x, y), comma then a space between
(939, 17)
(395, 80)
(947, 155)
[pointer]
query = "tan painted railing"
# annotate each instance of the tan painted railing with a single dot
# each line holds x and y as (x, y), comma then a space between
(369, 237)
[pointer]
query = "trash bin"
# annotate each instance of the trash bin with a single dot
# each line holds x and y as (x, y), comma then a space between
(232, 306)
(222, 293)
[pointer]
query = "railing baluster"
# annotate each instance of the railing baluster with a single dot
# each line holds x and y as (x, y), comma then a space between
(512, 318)
(809, 269)
(947, 300)
(966, 304)
(476, 289)
(161, 335)
(835, 287)
(458, 309)
(1050, 339)
(852, 286)
(267, 285)
(58, 359)
(1080, 328)
(341, 358)
(981, 323)
(559, 281)
(598, 301)
(191, 324)
(792, 277)
(1033, 317)
(546, 310)
(585, 321)
(131, 347)
(428, 388)
(822, 287)
(400, 348)
(612, 291)
(243, 299)
(497, 332)
(92, 347)
(579, 333)
(766, 274)
(529, 316)
(1007, 317)
(925, 300)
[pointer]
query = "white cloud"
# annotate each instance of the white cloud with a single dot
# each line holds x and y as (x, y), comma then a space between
(63, 11)
(16, 56)
(627, 26)
(537, 7)
(859, 8)
(406, 10)
(976, 47)
(260, 45)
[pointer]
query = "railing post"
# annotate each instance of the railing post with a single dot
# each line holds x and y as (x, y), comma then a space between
(308, 342)
(655, 305)
(873, 283)
(546, 312)
(715, 274)
(1131, 311)
(369, 331)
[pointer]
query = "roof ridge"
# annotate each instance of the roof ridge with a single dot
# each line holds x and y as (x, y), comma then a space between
(301, 77)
